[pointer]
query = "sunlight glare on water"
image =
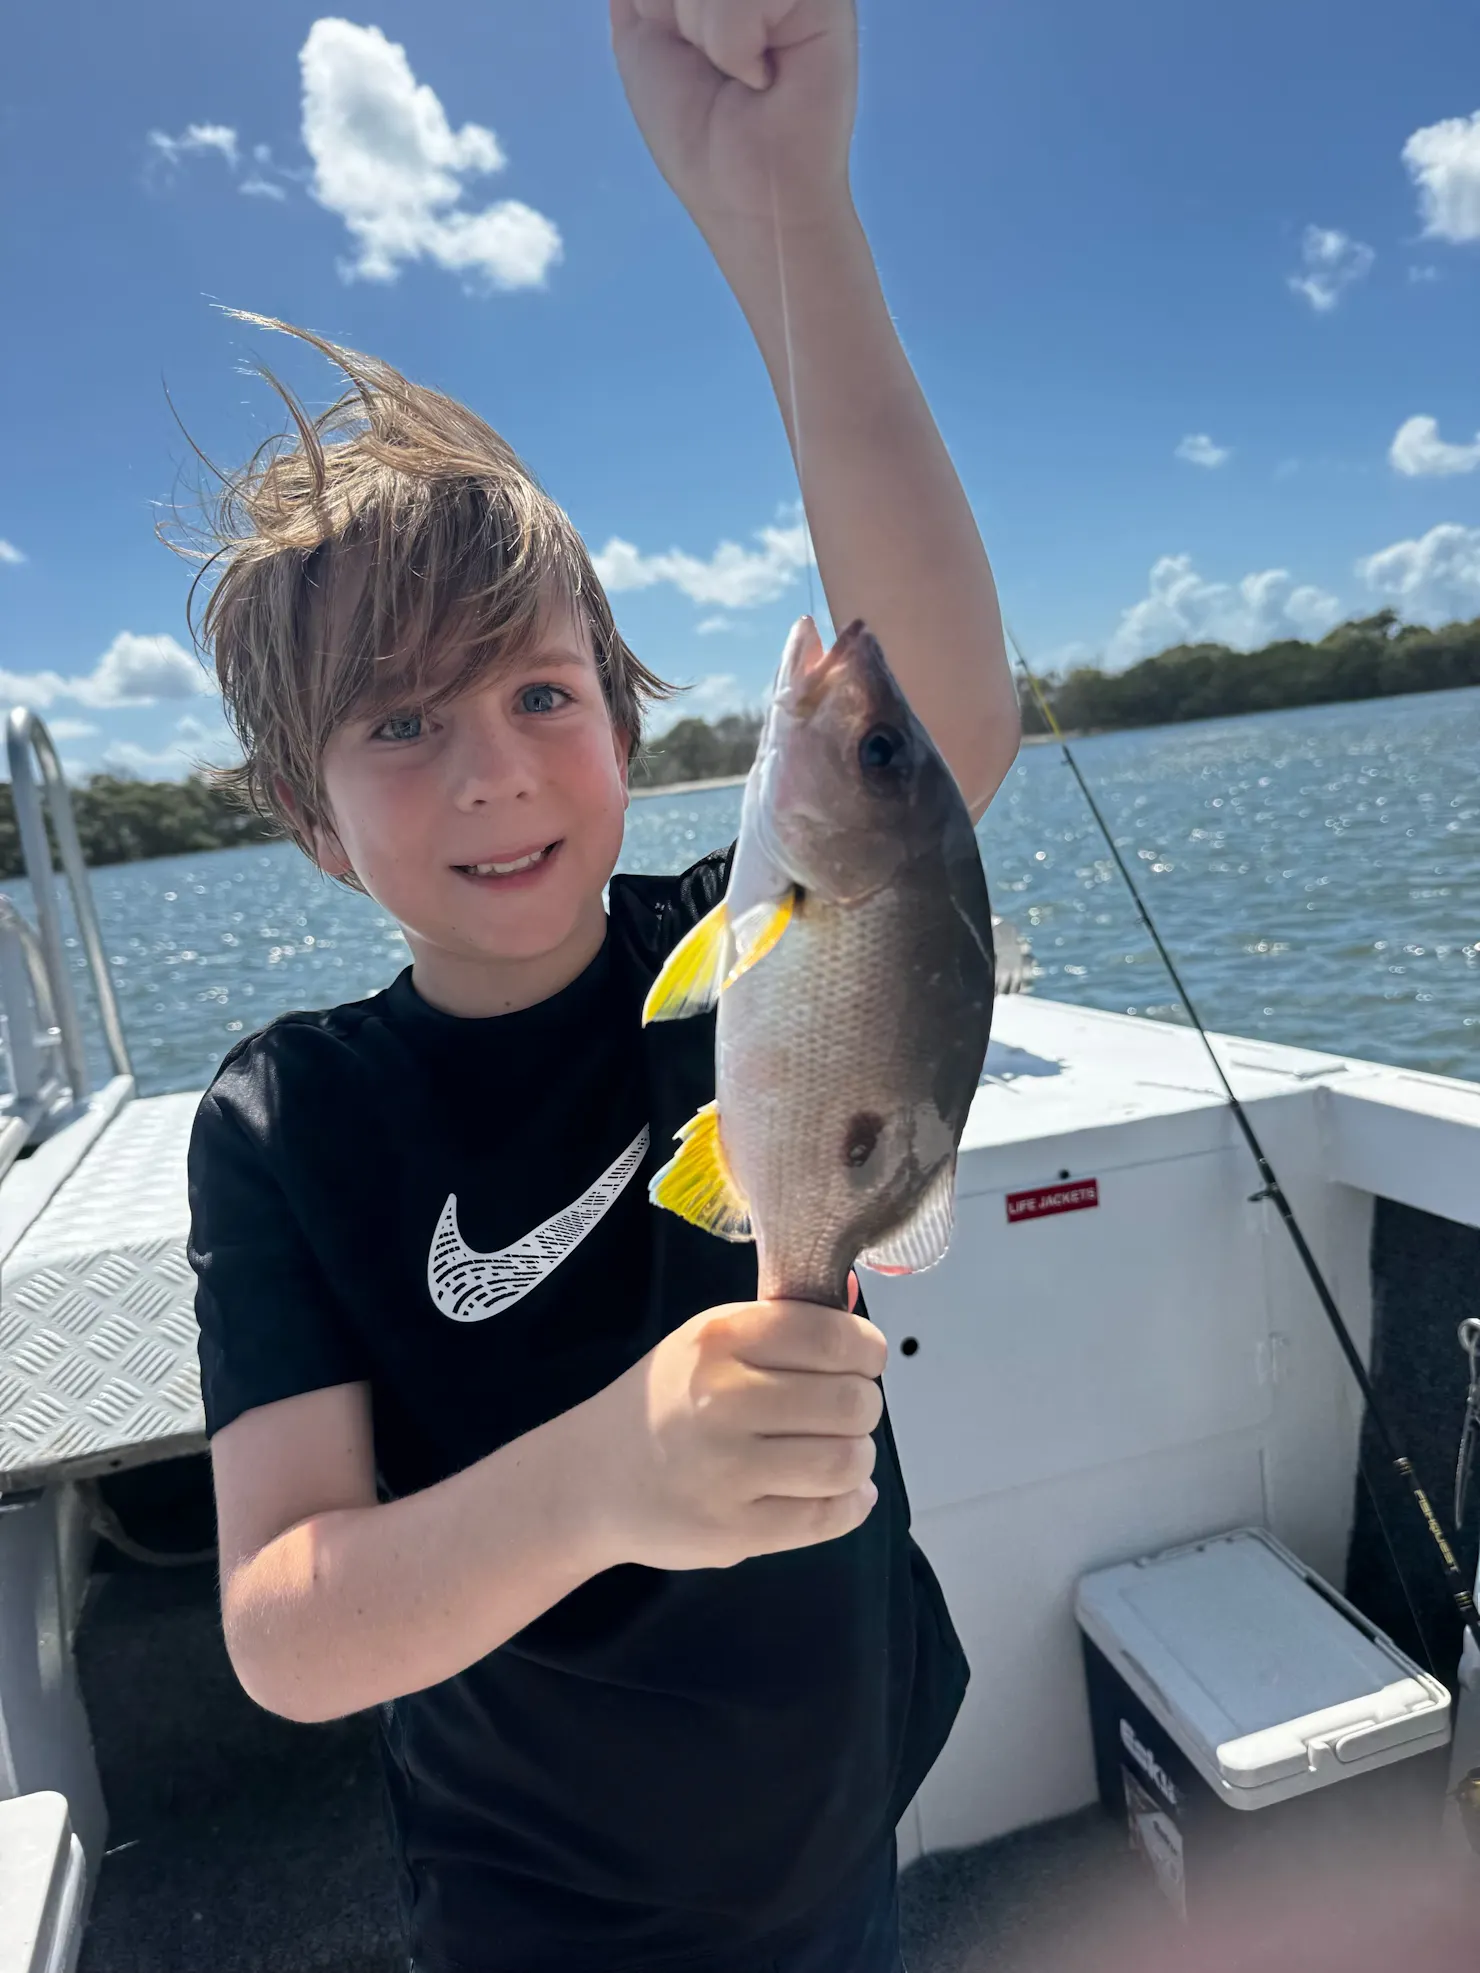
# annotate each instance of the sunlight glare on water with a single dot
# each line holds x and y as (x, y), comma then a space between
(1316, 874)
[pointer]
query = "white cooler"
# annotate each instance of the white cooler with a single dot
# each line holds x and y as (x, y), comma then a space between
(1248, 1721)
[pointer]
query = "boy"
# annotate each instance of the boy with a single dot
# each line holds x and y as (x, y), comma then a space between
(620, 1555)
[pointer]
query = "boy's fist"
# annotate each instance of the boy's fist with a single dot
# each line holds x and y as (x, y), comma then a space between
(746, 1431)
(747, 105)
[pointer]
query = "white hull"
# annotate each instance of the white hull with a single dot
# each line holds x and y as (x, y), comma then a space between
(1085, 1386)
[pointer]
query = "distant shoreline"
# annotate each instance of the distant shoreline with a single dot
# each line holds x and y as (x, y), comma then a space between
(739, 780)
(690, 787)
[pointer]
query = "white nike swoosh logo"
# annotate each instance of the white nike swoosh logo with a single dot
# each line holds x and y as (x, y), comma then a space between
(469, 1287)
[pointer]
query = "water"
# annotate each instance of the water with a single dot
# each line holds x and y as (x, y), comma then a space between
(1316, 874)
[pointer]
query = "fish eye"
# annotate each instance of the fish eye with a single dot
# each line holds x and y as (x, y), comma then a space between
(883, 749)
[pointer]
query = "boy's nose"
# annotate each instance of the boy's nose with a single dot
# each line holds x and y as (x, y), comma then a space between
(488, 764)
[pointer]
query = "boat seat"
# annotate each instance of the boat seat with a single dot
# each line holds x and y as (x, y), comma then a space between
(98, 1366)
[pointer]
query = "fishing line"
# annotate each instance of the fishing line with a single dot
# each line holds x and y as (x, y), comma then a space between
(791, 387)
(1271, 1189)
(1454, 1583)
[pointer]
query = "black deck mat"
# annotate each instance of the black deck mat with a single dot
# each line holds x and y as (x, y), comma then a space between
(241, 1843)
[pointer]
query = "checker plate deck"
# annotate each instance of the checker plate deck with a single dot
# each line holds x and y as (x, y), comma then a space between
(98, 1364)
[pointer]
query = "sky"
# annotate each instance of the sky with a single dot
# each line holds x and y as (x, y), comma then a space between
(1192, 290)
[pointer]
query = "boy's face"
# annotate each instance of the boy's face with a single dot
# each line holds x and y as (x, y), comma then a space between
(488, 827)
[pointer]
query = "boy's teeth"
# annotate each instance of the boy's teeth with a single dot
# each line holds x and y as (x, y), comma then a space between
(505, 869)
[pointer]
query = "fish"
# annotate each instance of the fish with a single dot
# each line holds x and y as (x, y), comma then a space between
(851, 966)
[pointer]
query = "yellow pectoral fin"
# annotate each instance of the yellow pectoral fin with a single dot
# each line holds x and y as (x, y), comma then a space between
(697, 1184)
(757, 932)
(690, 981)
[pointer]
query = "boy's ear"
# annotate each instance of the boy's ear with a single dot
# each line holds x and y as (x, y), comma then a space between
(622, 745)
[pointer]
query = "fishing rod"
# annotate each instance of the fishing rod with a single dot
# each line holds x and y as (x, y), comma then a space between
(1455, 1585)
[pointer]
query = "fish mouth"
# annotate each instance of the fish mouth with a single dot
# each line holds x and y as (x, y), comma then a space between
(809, 669)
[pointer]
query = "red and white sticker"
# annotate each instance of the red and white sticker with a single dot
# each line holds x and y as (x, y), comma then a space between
(1077, 1196)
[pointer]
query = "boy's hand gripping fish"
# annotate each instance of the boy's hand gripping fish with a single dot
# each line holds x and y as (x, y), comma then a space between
(852, 962)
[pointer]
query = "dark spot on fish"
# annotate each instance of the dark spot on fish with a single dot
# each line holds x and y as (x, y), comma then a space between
(863, 1135)
(909, 1346)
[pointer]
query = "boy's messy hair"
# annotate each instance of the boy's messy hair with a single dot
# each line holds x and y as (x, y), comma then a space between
(381, 556)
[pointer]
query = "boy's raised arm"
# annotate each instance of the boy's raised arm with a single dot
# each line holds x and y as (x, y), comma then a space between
(747, 106)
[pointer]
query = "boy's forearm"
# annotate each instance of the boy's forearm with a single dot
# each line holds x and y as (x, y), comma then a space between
(895, 538)
(362, 1605)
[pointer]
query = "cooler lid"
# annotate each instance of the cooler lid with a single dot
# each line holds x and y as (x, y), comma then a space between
(1258, 1668)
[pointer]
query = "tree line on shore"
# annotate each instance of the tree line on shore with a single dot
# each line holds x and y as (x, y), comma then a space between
(698, 750)
(1367, 658)
(120, 819)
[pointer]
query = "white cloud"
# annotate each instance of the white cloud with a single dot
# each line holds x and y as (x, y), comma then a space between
(1181, 607)
(209, 740)
(1330, 262)
(196, 137)
(136, 671)
(133, 671)
(10, 553)
(1443, 160)
(125, 757)
(35, 689)
(1199, 450)
(70, 729)
(193, 744)
(733, 578)
(715, 626)
(1431, 580)
(1418, 451)
(1422, 273)
(220, 138)
(389, 163)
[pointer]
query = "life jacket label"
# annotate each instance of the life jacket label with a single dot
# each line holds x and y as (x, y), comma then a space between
(1046, 1200)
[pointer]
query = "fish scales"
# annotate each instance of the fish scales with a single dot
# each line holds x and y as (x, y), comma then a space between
(852, 962)
(832, 1028)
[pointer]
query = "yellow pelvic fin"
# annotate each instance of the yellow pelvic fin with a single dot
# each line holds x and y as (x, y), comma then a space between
(690, 980)
(757, 931)
(696, 1183)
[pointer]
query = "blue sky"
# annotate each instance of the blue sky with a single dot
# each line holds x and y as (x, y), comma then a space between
(1193, 292)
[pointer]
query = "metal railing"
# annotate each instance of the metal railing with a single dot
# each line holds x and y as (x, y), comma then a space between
(39, 791)
(29, 1036)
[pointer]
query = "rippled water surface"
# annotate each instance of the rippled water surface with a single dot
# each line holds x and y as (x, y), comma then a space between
(1316, 874)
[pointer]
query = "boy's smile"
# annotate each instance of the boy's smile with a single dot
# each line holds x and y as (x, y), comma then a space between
(488, 825)
(505, 871)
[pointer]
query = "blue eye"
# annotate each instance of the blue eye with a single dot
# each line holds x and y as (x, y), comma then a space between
(541, 698)
(400, 726)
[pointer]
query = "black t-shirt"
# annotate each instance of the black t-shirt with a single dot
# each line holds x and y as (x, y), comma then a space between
(666, 1769)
